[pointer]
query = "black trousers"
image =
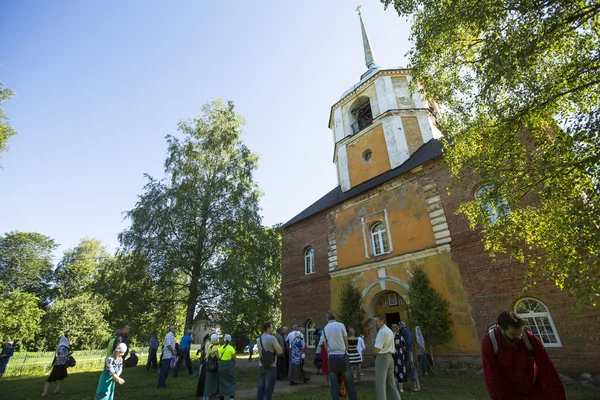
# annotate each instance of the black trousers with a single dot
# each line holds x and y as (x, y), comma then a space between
(151, 359)
(280, 366)
(184, 355)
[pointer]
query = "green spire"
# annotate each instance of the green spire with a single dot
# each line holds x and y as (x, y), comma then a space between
(369, 57)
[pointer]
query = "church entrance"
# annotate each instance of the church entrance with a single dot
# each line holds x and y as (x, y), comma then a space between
(392, 306)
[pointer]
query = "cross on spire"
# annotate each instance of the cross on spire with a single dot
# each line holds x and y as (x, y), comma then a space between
(369, 57)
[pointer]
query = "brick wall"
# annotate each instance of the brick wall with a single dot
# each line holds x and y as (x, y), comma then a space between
(305, 296)
(495, 286)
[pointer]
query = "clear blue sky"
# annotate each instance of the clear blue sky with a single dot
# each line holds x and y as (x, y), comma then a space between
(99, 84)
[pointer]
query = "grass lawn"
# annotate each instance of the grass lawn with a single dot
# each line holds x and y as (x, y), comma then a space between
(140, 384)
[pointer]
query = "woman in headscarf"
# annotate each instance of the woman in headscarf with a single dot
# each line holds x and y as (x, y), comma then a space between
(59, 366)
(111, 374)
(202, 373)
(227, 369)
(297, 373)
(399, 357)
(211, 383)
(5, 355)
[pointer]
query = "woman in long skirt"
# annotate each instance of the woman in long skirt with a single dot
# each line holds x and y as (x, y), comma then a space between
(399, 358)
(111, 374)
(227, 369)
(297, 373)
(324, 359)
(211, 383)
(353, 354)
(202, 372)
(59, 366)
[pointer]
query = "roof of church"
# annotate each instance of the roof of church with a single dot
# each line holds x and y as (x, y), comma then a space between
(429, 151)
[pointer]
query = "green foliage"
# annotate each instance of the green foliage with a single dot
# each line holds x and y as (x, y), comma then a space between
(79, 267)
(21, 317)
(190, 223)
(6, 131)
(26, 263)
(251, 279)
(351, 313)
(428, 310)
(520, 85)
(81, 317)
(135, 299)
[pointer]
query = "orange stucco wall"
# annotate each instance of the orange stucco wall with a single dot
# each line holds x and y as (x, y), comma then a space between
(410, 226)
(361, 170)
(444, 276)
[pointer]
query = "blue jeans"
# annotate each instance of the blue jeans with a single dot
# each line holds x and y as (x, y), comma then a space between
(266, 382)
(165, 364)
(333, 378)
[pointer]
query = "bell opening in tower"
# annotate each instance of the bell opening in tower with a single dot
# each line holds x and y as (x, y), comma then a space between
(362, 114)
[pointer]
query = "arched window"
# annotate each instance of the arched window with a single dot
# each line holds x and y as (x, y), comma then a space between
(537, 316)
(311, 337)
(361, 114)
(309, 261)
(379, 240)
(495, 210)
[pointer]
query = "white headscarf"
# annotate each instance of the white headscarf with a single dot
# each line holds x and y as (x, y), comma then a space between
(63, 341)
(122, 347)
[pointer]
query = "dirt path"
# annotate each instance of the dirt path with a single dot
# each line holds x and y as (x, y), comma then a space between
(283, 386)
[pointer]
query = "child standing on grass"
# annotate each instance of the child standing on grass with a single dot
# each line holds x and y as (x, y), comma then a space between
(110, 376)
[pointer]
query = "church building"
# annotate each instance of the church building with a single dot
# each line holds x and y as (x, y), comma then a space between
(391, 212)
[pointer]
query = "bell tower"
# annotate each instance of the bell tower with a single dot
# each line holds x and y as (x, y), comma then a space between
(378, 123)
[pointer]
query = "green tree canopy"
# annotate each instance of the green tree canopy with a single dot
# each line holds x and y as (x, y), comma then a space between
(519, 84)
(6, 130)
(26, 263)
(190, 222)
(21, 317)
(251, 280)
(79, 267)
(135, 299)
(351, 312)
(81, 317)
(428, 309)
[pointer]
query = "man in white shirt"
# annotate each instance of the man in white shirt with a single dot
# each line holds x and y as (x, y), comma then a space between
(383, 350)
(167, 355)
(335, 339)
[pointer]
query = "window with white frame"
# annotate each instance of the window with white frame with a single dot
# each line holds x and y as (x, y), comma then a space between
(309, 261)
(539, 321)
(379, 242)
(311, 336)
(495, 211)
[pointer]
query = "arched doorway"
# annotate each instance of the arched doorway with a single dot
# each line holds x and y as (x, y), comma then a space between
(386, 296)
(392, 306)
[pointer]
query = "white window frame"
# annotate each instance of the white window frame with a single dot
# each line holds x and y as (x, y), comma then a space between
(309, 261)
(380, 236)
(530, 316)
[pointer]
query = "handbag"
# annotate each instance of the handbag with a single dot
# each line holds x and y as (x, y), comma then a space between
(342, 389)
(71, 362)
(212, 362)
(336, 364)
(266, 357)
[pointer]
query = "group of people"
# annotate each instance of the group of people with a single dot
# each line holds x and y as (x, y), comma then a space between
(515, 363)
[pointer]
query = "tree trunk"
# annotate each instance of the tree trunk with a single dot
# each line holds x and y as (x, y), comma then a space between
(191, 305)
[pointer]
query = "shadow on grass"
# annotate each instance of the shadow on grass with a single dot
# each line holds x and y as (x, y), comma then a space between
(140, 384)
